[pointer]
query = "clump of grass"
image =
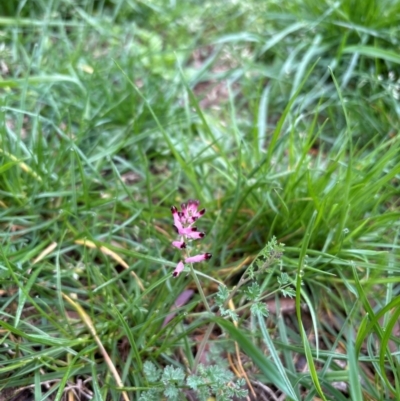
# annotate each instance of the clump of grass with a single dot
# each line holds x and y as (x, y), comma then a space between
(282, 121)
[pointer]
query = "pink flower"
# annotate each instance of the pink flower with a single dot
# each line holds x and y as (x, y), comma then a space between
(179, 244)
(190, 212)
(184, 220)
(196, 235)
(188, 231)
(198, 258)
(179, 267)
(175, 215)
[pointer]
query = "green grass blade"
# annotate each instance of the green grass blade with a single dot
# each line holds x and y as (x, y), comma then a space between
(374, 52)
(354, 373)
(268, 341)
(300, 274)
(267, 368)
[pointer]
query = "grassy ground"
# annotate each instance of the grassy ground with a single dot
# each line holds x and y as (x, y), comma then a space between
(281, 118)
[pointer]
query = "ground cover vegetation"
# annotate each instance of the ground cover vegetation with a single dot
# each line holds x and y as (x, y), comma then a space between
(281, 119)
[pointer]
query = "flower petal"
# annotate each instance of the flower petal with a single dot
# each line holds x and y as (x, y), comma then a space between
(179, 244)
(198, 258)
(184, 230)
(200, 213)
(193, 205)
(195, 235)
(179, 268)
(176, 215)
(178, 228)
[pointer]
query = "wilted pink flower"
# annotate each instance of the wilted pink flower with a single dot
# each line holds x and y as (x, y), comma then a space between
(181, 300)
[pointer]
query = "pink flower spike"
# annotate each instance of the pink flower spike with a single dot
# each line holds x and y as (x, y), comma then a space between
(179, 268)
(195, 235)
(179, 244)
(198, 258)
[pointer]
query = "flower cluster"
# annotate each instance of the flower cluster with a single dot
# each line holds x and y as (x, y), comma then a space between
(183, 224)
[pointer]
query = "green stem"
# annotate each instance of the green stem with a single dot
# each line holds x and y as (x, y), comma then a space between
(202, 346)
(200, 289)
(206, 337)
